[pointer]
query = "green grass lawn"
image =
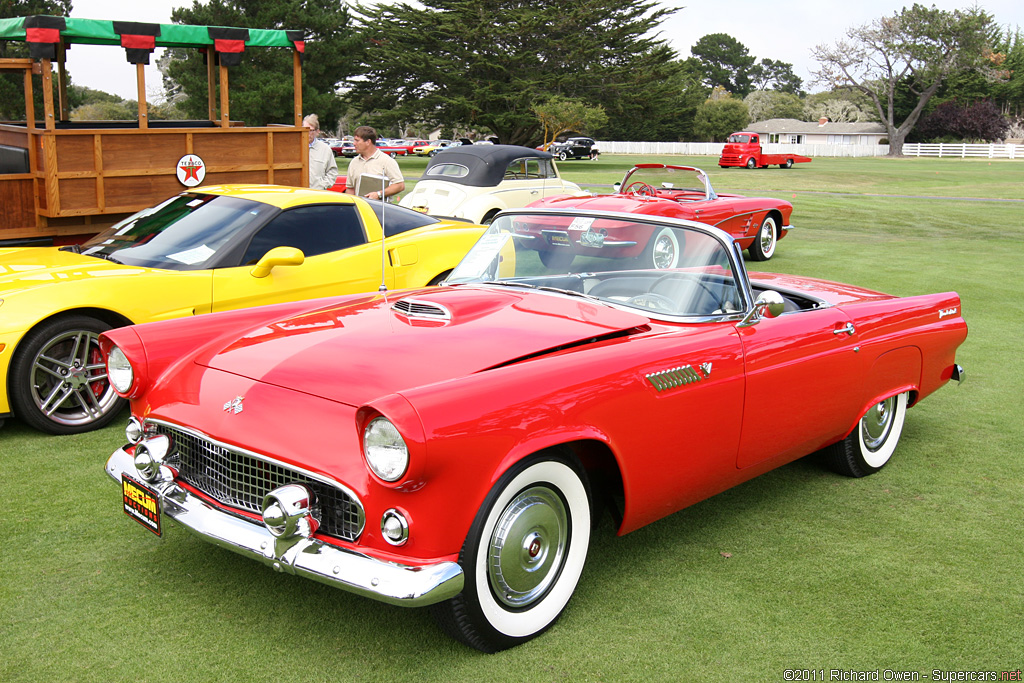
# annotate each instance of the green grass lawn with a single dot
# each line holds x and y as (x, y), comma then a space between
(916, 568)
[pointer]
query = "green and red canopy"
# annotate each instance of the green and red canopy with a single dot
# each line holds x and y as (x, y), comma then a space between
(43, 34)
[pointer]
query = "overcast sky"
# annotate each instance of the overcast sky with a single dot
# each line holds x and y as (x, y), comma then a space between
(783, 30)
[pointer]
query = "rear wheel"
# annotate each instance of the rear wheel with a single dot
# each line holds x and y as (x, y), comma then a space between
(58, 379)
(763, 246)
(871, 445)
(663, 250)
(523, 556)
(788, 164)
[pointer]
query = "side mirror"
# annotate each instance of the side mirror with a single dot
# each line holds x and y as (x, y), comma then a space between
(278, 256)
(769, 304)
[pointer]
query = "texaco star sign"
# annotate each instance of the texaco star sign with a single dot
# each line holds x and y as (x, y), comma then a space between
(191, 170)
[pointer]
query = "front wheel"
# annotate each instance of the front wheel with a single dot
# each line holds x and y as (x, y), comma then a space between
(763, 246)
(870, 446)
(751, 163)
(562, 156)
(523, 556)
(393, 154)
(59, 379)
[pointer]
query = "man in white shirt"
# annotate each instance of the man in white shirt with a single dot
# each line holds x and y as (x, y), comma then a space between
(323, 169)
(372, 161)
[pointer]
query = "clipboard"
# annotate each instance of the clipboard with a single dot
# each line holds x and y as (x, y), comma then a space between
(371, 180)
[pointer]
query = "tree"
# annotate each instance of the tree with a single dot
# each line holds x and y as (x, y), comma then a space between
(725, 62)
(717, 118)
(840, 106)
(919, 47)
(12, 95)
(950, 120)
(769, 104)
(261, 87)
(559, 115)
(775, 75)
(486, 64)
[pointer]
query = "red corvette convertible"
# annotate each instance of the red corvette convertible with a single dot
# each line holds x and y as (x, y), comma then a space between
(449, 446)
(756, 223)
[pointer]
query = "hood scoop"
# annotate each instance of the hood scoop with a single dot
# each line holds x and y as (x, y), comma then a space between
(421, 309)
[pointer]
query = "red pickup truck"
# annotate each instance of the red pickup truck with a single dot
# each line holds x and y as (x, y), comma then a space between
(744, 149)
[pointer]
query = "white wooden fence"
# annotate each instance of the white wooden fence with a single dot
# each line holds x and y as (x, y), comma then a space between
(949, 150)
(963, 151)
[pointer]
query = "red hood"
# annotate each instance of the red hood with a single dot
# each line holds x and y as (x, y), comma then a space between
(360, 350)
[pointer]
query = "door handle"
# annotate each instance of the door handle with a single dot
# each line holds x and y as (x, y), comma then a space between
(848, 329)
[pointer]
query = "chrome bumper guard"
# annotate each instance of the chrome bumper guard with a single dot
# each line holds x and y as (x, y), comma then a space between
(396, 584)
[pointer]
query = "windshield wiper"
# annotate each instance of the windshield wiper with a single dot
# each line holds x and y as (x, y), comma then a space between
(73, 248)
(106, 257)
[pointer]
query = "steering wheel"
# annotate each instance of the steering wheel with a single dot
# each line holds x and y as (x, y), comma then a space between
(641, 188)
(653, 301)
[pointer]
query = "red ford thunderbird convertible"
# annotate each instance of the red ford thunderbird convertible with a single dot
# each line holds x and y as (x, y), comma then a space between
(451, 446)
(756, 223)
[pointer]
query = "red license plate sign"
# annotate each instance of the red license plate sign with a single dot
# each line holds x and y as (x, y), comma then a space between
(141, 503)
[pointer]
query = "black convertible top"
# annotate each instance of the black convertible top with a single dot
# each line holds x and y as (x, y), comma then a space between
(485, 164)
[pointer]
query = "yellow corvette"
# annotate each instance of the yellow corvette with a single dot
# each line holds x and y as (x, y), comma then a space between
(208, 249)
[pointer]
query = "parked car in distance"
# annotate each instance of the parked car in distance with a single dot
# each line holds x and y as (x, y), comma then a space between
(207, 249)
(475, 182)
(450, 446)
(431, 148)
(344, 149)
(393, 149)
(575, 148)
(756, 223)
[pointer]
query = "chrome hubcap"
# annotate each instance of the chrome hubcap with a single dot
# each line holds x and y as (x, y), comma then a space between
(664, 255)
(876, 425)
(767, 237)
(528, 547)
(69, 379)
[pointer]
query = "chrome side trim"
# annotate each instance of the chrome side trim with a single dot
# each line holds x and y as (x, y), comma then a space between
(396, 584)
(676, 377)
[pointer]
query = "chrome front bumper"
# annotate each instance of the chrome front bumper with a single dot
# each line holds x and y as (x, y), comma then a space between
(405, 585)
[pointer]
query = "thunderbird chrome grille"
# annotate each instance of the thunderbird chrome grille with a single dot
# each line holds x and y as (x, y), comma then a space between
(240, 479)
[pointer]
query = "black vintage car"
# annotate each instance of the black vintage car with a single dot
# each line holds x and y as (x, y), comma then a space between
(575, 148)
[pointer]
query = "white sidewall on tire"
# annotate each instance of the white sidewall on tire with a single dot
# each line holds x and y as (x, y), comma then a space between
(768, 223)
(878, 458)
(527, 622)
(670, 234)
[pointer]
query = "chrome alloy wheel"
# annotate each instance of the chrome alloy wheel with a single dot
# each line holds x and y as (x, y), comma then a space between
(68, 381)
(527, 549)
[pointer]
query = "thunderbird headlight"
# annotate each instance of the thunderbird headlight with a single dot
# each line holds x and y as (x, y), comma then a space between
(119, 371)
(385, 450)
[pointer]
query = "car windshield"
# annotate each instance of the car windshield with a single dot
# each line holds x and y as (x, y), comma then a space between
(183, 233)
(682, 183)
(741, 139)
(664, 269)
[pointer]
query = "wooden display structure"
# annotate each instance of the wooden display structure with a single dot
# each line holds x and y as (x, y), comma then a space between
(62, 180)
